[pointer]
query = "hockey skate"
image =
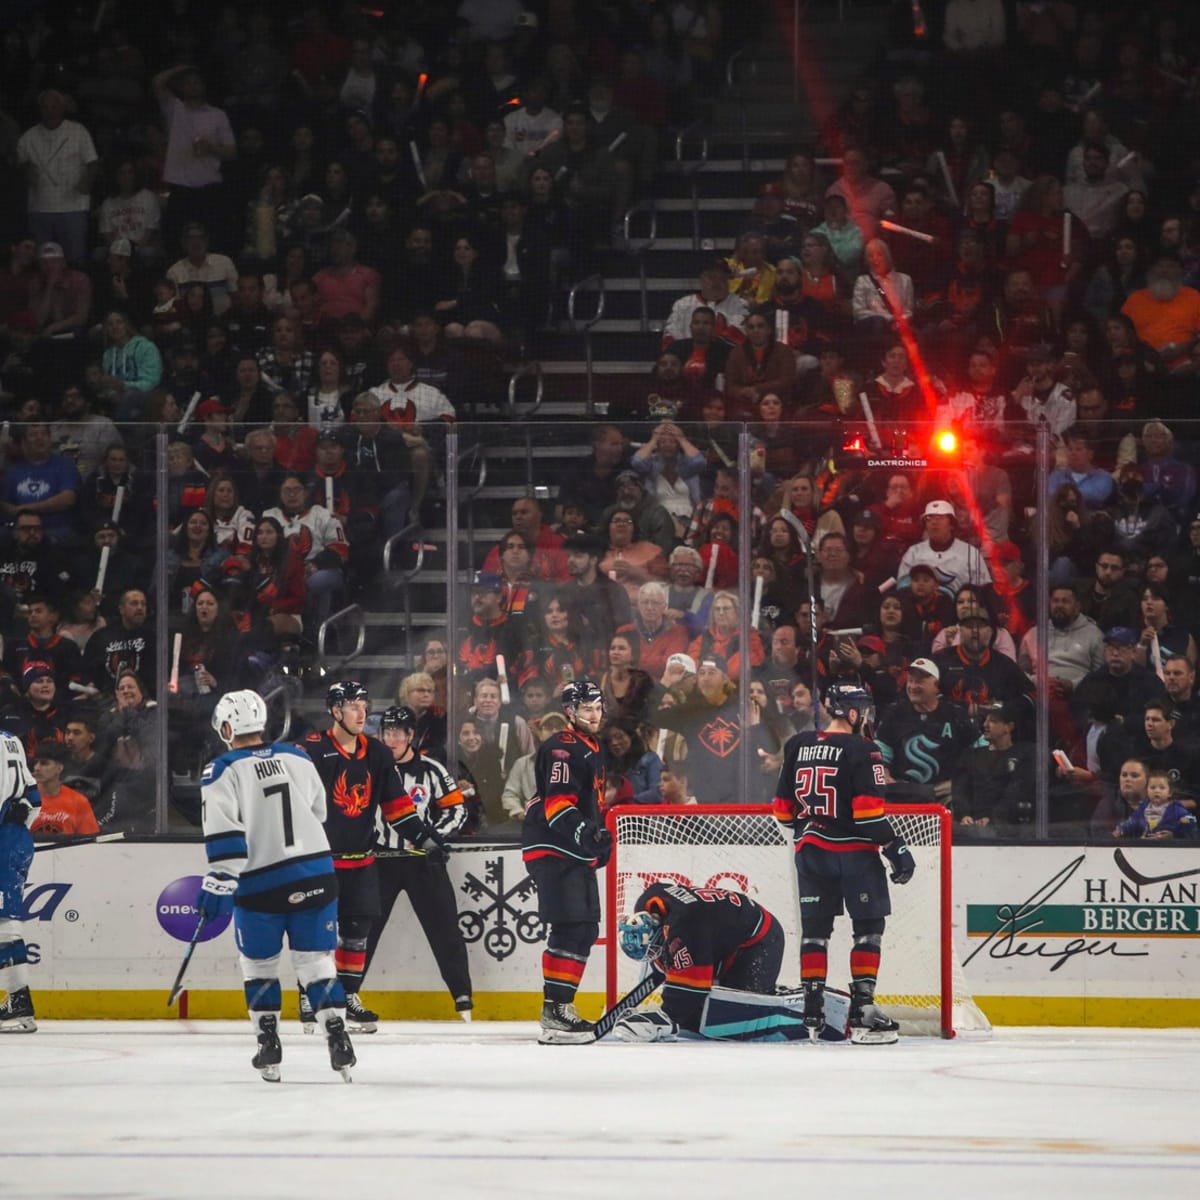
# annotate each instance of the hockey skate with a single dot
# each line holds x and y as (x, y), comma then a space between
(563, 1026)
(358, 1018)
(871, 1026)
(270, 1050)
(814, 1011)
(341, 1050)
(463, 1006)
(308, 1018)
(16, 1013)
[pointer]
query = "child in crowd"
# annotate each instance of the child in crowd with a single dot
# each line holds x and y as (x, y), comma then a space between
(1159, 817)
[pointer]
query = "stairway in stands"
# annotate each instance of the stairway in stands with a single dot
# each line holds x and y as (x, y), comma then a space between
(742, 142)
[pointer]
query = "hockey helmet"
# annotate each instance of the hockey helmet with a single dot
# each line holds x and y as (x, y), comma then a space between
(399, 716)
(641, 936)
(244, 712)
(582, 691)
(842, 699)
(343, 691)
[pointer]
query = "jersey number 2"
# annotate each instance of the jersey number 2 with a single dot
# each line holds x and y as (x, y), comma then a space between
(284, 792)
(816, 791)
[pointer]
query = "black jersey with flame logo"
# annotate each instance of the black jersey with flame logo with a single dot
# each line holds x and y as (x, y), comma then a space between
(569, 777)
(359, 783)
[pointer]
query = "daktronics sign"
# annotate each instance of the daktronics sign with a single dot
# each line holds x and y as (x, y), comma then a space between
(176, 911)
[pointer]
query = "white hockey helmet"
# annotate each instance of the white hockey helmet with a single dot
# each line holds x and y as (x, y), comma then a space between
(244, 712)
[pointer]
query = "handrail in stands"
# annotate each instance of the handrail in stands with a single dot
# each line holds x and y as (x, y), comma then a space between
(469, 497)
(735, 89)
(637, 247)
(595, 281)
(281, 690)
(413, 534)
(526, 369)
(696, 130)
(342, 617)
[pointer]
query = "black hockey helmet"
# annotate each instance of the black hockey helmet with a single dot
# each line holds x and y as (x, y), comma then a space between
(399, 716)
(842, 699)
(582, 691)
(344, 690)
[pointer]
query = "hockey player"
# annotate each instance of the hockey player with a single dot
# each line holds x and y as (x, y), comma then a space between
(360, 783)
(719, 953)
(423, 875)
(564, 843)
(18, 811)
(269, 861)
(830, 792)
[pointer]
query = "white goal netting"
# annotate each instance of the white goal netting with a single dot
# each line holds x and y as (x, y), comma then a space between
(743, 848)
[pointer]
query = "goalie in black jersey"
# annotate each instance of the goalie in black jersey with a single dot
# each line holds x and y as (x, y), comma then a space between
(564, 843)
(830, 792)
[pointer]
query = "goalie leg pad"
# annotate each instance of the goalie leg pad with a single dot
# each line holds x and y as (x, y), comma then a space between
(649, 1026)
(752, 1017)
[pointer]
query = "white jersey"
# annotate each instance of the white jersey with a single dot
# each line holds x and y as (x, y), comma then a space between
(15, 777)
(434, 794)
(731, 315)
(263, 814)
(960, 563)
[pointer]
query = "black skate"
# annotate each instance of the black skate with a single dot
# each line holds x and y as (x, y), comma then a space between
(308, 1018)
(358, 1018)
(270, 1050)
(341, 1050)
(871, 1026)
(563, 1026)
(16, 1013)
(463, 1006)
(814, 1011)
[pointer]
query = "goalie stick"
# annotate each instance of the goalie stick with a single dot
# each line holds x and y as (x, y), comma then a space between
(67, 843)
(627, 1003)
(177, 986)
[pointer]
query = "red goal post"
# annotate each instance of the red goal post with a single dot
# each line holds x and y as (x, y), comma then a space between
(743, 848)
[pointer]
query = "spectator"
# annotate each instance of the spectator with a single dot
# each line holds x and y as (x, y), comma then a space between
(558, 652)
(1133, 686)
(995, 785)
(60, 165)
(1160, 627)
(520, 786)
(627, 758)
(883, 298)
(687, 599)
(653, 521)
(1075, 646)
(44, 644)
(843, 234)
(629, 560)
(520, 586)
(274, 587)
(722, 637)
(868, 199)
(199, 142)
(971, 674)
(1094, 485)
(924, 736)
(82, 435)
(729, 309)
(344, 286)
(759, 365)
(404, 400)
(132, 368)
(43, 482)
(1168, 480)
(490, 632)
(1140, 525)
(593, 486)
(954, 561)
(1160, 816)
(1166, 315)
(295, 440)
(1096, 198)
(285, 364)
(672, 465)
(702, 354)
(31, 565)
(1158, 748)
(1179, 679)
(215, 272)
(626, 687)
(419, 693)
(132, 213)
(529, 125)
(600, 604)
(845, 597)
(468, 298)
(129, 733)
(62, 809)
(654, 636)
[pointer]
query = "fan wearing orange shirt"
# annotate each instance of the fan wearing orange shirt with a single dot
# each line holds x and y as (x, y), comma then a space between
(1167, 315)
(63, 810)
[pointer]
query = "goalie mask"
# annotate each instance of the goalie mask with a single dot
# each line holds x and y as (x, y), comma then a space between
(854, 705)
(244, 712)
(641, 936)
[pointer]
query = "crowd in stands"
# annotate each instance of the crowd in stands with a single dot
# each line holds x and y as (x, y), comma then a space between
(284, 249)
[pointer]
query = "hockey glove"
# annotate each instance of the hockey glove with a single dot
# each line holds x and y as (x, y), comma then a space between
(216, 895)
(597, 843)
(903, 864)
(433, 846)
(16, 812)
(653, 1025)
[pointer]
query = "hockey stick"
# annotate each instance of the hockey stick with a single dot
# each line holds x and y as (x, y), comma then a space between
(67, 843)
(177, 986)
(627, 1002)
(1135, 876)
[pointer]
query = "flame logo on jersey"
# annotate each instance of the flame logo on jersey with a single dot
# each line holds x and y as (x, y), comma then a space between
(354, 799)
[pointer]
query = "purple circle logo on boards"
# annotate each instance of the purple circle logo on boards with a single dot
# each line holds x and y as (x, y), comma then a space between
(176, 910)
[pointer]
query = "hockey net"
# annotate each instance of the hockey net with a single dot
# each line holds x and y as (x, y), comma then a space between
(743, 848)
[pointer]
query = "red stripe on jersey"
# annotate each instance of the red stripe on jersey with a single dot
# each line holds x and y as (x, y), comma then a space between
(690, 977)
(784, 808)
(562, 970)
(353, 864)
(557, 804)
(867, 808)
(761, 932)
(397, 808)
(451, 799)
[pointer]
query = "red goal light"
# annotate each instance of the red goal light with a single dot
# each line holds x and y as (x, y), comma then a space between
(946, 441)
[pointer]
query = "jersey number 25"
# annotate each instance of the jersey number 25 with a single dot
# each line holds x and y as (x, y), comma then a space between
(816, 791)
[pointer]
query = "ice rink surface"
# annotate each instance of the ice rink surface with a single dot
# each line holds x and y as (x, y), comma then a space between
(173, 1111)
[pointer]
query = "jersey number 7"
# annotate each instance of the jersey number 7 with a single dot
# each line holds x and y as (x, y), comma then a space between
(816, 791)
(284, 792)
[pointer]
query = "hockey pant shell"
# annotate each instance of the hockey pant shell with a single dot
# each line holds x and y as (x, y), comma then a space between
(567, 891)
(830, 879)
(739, 1016)
(431, 895)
